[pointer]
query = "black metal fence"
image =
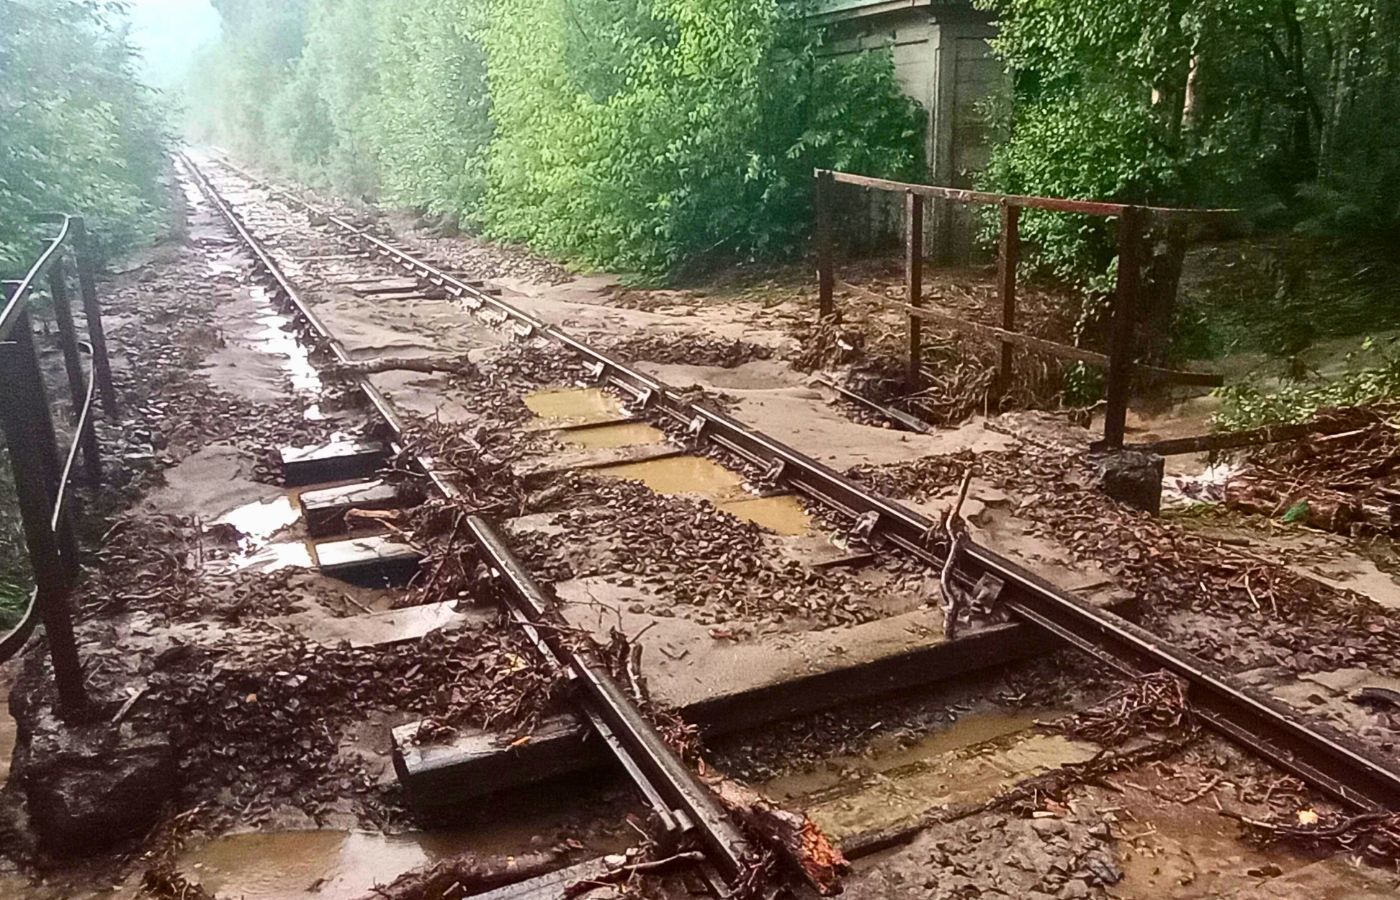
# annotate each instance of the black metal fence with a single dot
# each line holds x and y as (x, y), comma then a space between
(44, 476)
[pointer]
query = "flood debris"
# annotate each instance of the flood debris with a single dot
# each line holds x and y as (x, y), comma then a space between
(465, 875)
(1374, 836)
(162, 882)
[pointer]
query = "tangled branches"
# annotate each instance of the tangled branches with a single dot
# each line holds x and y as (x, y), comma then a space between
(1376, 836)
(1154, 703)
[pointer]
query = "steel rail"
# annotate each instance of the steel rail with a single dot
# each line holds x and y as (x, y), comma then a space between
(1331, 762)
(683, 805)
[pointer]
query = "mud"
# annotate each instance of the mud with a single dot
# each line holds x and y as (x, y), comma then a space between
(574, 406)
(8, 726)
(607, 437)
(969, 762)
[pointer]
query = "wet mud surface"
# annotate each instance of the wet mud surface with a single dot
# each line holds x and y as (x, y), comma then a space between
(280, 692)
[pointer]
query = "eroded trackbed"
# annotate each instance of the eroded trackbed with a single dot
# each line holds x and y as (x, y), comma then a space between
(1325, 759)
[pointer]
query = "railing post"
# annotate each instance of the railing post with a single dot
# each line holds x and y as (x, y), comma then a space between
(67, 333)
(914, 283)
(97, 335)
(1122, 326)
(826, 263)
(1007, 261)
(28, 429)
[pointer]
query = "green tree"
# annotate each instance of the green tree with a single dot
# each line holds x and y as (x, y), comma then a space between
(433, 122)
(635, 134)
(1271, 105)
(648, 133)
(78, 131)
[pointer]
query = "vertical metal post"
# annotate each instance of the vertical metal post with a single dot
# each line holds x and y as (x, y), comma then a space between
(1007, 261)
(1123, 325)
(826, 263)
(914, 283)
(29, 438)
(97, 336)
(67, 333)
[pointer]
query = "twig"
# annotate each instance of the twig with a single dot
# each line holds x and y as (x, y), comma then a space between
(623, 873)
(952, 595)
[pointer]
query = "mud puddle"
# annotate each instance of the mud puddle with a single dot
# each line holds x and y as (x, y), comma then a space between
(596, 410)
(970, 761)
(699, 476)
(338, 865)
(575, 406)
(258, 525)
(610, 437)
(301, 865)
(276, 337)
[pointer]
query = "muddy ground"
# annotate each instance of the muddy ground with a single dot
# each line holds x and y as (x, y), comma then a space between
(201, 597)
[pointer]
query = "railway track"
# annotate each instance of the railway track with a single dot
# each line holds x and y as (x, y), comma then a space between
(1331, 762)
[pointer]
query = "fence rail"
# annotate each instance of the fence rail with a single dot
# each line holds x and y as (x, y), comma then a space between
(1121, 360)
(44, 478)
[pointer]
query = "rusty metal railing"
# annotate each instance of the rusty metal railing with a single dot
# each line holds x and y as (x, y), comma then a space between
(44, 478)
(1121, 360)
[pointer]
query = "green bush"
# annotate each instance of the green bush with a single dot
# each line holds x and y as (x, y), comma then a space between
(1251, 406)
(78, 131)
(640, 135)
(1284, 108)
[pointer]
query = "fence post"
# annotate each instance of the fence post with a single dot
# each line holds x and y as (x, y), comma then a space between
(914, 283)
(67, 333)
(1122, 326)
(28, 430)
(97, 336)
(1007, 261)
(826, 263)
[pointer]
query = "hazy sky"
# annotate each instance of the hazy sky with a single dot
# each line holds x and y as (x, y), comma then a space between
(169, 32)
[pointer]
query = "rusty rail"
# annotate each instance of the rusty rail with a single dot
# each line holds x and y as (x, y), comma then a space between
(684, 807)
(1121, 360)
(1353, 774)
(44, 480)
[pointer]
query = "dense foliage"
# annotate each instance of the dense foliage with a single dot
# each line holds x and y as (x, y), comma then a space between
(78, 132)
(1278, 106)
(634, 134)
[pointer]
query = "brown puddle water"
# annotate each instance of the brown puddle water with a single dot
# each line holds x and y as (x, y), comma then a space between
(608, 437)
(783, 515)
(292, 865)
(967, 762)
(338, 865)
(697, 475)
(574, 406)
(670, 475)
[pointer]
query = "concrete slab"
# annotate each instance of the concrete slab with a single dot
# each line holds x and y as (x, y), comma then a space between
(387, 628)
(375, 559)
(333, 461)
(473, 764)
(324, 510)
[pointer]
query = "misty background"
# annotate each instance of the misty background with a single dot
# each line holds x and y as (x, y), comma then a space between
(169, 34)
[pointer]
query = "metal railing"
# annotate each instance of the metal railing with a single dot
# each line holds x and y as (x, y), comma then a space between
(1121, 360)
(44, 478)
